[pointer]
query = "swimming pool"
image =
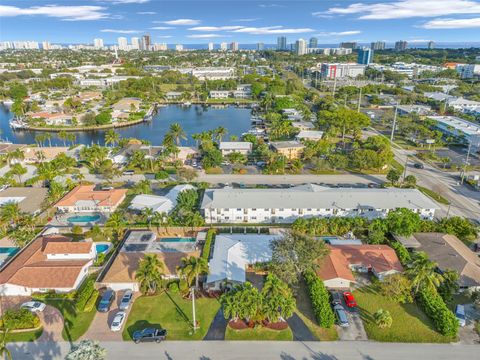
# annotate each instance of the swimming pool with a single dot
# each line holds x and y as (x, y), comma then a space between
(101, 248)
(10, 251)
(178, 239)
(83, 218)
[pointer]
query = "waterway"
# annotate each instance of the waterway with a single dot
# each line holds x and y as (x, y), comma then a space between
(193, 119)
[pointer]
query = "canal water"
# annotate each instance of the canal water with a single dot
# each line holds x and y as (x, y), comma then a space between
(193, 119)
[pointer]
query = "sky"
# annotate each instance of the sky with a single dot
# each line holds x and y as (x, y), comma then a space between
(245, 21)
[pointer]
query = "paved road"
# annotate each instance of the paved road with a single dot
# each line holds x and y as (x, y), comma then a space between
(266, 350)
(350, 179)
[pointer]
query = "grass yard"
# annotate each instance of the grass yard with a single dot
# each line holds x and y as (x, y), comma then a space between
(76, 324)
(258, 333)
(410, 324)
(437, 197)
(172, 312)
(24, 336)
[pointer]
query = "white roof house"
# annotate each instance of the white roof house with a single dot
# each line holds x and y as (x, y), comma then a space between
(158, 203)
(243, 147)
(232, 254)
(309, 135)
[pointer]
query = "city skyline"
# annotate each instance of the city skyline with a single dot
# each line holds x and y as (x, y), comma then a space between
(189, 22)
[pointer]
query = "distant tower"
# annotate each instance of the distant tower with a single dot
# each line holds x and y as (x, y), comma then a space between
(260, 46)
(401, 45)
(301, 47)
(431, 45)
(210, 46)
(313, 43)
(282, 43)
(365, 56)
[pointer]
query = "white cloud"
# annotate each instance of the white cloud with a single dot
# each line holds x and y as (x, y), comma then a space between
(164, 36)
(452, 23)
(66, 12)
(416, 41)
(117, 2)
(204, 36)
(246, 20)
(119, 31)
(146, 13)
(270, 5)
(216, 28)
(182, 22)
(268, 30)
(341, 33)
(408, 8)
(321, 15)
(162, 28)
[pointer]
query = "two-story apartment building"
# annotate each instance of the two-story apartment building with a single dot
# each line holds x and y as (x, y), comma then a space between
(242, 147)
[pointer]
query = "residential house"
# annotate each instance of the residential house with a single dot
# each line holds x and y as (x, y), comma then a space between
(219, 94)
(44, 154)
(84, 198)
(30, 200)
(314, 135)
(414, 109)
(303, 125)
(242, 147)
(290, 149)
(173, 95)
(160, 204)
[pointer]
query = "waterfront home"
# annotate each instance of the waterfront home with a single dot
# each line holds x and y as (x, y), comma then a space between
(303, 125)
(29, 199)
(219, 94)
(232, 205)
(314, 135)
(160, 204)
(126, 105)
(84, 198)
(120, 275)
(51, 118)
(173, 95)
(232, 255)
(336, 269)
(44, 154)
(290, 149)
(86, 96)
(242, 147)
(48, 263)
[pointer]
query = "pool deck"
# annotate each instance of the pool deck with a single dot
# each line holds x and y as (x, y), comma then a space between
(61, 220)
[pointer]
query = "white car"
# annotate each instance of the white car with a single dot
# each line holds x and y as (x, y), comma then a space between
(34, 306)
(118, 321)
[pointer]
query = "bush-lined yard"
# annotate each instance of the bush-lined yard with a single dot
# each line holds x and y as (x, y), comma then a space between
(258, 333)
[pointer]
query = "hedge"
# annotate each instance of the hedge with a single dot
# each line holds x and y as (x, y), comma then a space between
(208, 244)
(435, 308)
(20, 319)
(84, 293)
(91, 302)
(402, 252)
(320, 299)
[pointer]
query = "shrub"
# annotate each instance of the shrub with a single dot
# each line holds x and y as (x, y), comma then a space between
(398, 288)
(208, 244)
(173, 287)
(383, 319)
(91, 302)
(435, 308)
(320, 299)
(77, 230)
(20, 319)
(84, 293)
(54, 295)
(402, 252)
(161, 175)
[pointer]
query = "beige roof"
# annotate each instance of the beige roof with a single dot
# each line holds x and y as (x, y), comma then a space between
(49, 152)
(33, 198)
(124, 104)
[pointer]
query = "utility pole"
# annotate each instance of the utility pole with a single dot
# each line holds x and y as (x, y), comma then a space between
(466, 162)
(394, 122)
(193, 310)
(405, 168)
(359, 100)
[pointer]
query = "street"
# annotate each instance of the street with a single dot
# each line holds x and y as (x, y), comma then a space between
(265, 350)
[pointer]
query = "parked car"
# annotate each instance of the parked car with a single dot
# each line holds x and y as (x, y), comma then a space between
(149, 334)
(33, 306)
(336, 297)
(460, 315)
(342, 318)
(118, 321)
(126, 300)
(106, 300)
(349, 299)
(418, 166)
(128, 172)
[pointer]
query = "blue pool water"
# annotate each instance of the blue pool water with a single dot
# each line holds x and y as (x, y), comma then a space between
(178, 239)
(101, 248)
(9, 250)
(83, 218)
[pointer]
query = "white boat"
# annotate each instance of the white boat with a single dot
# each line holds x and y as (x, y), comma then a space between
(7, 103)
(187, 103)
(17, 124)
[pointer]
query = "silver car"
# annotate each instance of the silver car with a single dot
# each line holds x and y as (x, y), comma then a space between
(118, 321)
(460, 315)
(126, 300)
(342, 318)
(33, 306)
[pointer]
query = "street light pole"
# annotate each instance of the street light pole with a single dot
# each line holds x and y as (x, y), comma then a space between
(193, 310)
(394, 122)
(466, 162)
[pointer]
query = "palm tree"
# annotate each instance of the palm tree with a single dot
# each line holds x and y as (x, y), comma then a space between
(48, 136)
(161, 219)
(422, 272)
(383, 319)
(116, 223)
(149, 273)
(63, 135)
(10, 213)
(277, 299)
(267, 101)
(191, 268)
(111, 137)
(39, 139)
(79, 177)
(148, 216)
(4, 352)
(177, 132)
(40, 156)
(72, 138)
(220, 132)
(16, 154)
(18, 170)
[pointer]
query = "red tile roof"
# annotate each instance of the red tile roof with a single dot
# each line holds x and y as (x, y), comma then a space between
(87, 193)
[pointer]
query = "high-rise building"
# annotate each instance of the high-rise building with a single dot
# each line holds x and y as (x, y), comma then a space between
(260, 46)
(46, 45)
(282, 43)
(223, 46)
(431, 45)
(378, 45)
(160, 47)
(313, 43)
(146, 42)
(234, 46)
(135, 43)
(210, 46)
(122, 43)
(301, 47)
(401, 45)
(348, 45)
(98, 43)
(179, 47)
(365, 56)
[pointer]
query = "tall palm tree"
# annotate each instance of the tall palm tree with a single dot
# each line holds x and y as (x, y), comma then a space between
(40, 156)
(16, 154)
(72, 138)
(191, 268)
(48, 136)
(148, 216)
(18, 170)
(4, 352)
(116, 223)
(422, 272)
(161, 219)
(150, 273)
(111, 137)
(63, 135)
(10, 213)
(277, 299)
(220, 132)
(177, 133)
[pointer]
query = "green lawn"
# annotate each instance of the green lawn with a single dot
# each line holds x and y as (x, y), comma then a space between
(172, 312)
(410, 324)
(258, 333)
(437, 197)
(24, 336)
(76, 324)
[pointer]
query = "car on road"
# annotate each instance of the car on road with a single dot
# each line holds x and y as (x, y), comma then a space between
(149, 335)
(128, 172)
(460, 315)
(118, 321)
(126, 300)
(349, 299)
(336, 297)
(418, 166)
(106, 300)
(341, 314)
(33, 306)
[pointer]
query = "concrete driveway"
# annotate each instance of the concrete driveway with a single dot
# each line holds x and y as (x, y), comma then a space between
(467, 334)
(52, 321)
(356, 330)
